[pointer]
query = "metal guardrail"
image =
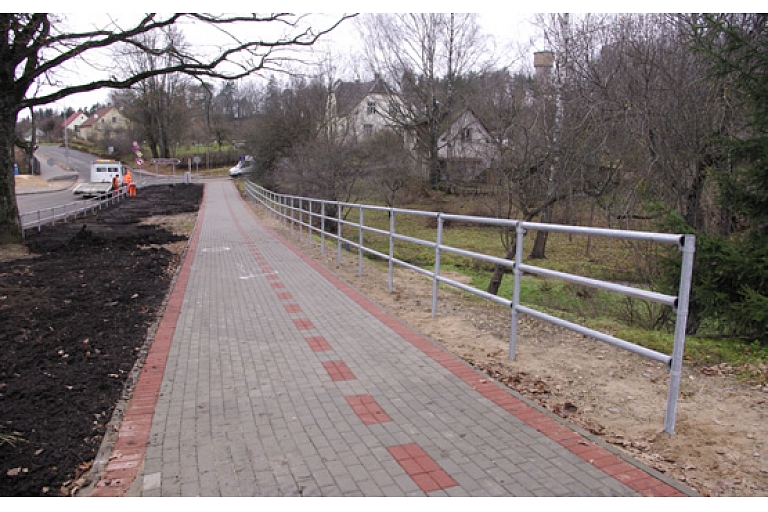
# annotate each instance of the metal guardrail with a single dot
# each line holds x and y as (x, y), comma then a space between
(64, 212)
(305, 213)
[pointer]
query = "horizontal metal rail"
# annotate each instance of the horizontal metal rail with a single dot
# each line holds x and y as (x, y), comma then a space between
(611, 340)
(603, 285)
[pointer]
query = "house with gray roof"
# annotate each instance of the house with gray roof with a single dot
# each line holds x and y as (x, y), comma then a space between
(360, 109)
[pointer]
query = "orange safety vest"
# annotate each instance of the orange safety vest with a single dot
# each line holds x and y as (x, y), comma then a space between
(127, 178)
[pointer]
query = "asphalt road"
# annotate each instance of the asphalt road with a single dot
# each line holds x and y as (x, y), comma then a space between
(66, 158)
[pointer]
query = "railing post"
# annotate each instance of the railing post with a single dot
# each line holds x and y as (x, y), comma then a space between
(309, 223)
(322, 228)
(301, 218)
(338, 235)
(688, 248)
(391, 249)
(360, 243)
(520, 236)
(436, 273)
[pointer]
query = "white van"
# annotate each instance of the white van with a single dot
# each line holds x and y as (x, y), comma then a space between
(246, 164)
(102, 172)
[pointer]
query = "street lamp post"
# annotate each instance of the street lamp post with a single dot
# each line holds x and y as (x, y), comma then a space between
(66, 142)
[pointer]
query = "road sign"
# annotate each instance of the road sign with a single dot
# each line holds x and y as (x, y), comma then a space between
(139, 162)
(166, 161)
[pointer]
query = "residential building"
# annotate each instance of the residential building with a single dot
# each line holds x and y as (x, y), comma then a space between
(73, 122)
(104, 124)
(465, 148)
(360, 109)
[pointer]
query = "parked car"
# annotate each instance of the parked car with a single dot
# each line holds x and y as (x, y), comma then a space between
(244, 165)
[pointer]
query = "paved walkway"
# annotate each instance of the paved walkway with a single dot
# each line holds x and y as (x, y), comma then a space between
(268, 376)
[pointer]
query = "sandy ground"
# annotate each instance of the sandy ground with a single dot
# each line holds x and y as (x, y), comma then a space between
(721, 433)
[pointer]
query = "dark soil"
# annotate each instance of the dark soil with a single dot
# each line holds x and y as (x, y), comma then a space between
(74, 319)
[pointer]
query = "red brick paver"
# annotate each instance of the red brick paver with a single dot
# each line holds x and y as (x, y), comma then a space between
(424, 471)
(367, 409)
(338, 370)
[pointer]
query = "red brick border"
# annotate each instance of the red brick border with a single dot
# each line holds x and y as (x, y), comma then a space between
(130, 447)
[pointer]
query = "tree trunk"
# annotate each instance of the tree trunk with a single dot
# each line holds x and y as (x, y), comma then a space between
(540, 244)
(499, 271)
(693, 211)
(10, 224)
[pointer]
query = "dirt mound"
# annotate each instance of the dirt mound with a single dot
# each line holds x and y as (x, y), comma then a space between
(76, 312)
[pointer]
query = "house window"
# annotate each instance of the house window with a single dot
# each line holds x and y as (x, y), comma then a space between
(114, 119)
(371, 107)
(466, 134)
(367, 129)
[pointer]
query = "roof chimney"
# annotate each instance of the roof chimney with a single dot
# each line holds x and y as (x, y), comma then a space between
(543, 62)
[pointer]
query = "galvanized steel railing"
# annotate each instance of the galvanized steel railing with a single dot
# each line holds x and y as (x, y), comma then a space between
(303, 213)
(64, 212)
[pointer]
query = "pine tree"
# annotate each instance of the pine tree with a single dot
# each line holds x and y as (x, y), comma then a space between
(731, 283)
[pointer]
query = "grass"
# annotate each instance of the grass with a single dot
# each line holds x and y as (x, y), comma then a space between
(597, 258)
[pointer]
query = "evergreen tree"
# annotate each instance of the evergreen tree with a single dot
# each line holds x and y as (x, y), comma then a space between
(731, 273)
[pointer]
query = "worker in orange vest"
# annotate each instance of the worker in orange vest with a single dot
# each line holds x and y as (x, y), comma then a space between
(115, 186)
(128, 180)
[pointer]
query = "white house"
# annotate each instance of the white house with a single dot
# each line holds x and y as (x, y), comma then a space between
(73, 122)
(103, 124)
(465, 148)
(360, 109)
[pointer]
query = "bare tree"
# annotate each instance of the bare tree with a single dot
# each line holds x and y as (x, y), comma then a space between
(551, 141)
(292, 114)
(39, 47)
(390, 167)
(156, 104)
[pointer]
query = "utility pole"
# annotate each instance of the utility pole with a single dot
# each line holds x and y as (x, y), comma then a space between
(66, 143)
